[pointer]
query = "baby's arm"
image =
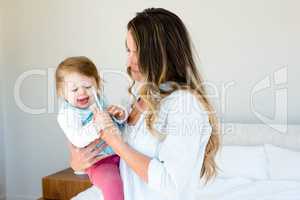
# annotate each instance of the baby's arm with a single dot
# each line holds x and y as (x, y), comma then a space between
(78, 135)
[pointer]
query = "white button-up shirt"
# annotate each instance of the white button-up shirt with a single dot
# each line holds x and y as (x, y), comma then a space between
(176, 161)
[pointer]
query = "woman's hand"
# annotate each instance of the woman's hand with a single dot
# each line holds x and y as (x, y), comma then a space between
(109, 132)
(83, 158)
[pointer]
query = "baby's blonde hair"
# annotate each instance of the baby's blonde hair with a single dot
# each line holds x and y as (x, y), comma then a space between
(79, 64)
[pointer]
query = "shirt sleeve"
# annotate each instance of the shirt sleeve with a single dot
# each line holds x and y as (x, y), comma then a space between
(180, 156)
(78, 135)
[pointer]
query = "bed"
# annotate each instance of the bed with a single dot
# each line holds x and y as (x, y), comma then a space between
(256, 161)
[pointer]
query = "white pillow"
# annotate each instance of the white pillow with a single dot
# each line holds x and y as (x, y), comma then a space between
(284, 164)
(242, 161)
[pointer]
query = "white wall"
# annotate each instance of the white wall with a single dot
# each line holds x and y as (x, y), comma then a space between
(240, 41)
(2, 152)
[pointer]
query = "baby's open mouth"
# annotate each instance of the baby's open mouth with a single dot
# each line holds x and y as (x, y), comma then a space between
(83, 101)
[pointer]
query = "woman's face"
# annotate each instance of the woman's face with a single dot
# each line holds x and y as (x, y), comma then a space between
(132, 58)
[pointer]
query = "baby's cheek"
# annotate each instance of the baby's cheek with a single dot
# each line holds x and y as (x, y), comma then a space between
(72, 99)
(91, 99)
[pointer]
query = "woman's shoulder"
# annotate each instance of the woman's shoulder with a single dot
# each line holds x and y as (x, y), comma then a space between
(183, 105)
(184, 112)
(184, 99)
(180, 94)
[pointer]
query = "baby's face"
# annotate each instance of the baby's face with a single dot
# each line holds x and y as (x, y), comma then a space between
(78, 90)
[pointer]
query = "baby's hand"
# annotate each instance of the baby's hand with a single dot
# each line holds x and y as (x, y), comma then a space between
(117, 112)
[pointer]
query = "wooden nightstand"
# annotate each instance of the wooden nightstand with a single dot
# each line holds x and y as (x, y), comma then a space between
(64, 185)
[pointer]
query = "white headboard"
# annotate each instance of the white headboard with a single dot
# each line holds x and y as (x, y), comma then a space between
(256, 134)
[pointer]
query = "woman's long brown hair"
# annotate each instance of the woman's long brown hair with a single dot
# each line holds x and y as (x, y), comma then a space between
(165, 55)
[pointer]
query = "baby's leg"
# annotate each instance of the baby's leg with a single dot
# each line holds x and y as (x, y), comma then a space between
(105, 175)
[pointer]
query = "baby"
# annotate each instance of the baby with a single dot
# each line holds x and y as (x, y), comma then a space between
(77, 83)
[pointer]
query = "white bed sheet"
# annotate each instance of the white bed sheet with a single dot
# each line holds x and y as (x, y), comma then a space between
(231, 189)
(240, 188)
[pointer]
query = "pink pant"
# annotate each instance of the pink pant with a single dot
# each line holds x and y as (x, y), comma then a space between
(105, 175)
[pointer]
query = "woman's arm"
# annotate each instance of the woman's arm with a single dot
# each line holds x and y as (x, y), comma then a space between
(112, 136)
(135, 160)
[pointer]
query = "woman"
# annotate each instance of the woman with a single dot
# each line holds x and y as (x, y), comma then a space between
(168, 147)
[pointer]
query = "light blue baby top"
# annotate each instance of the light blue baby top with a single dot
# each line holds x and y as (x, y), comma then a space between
(86, 116)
